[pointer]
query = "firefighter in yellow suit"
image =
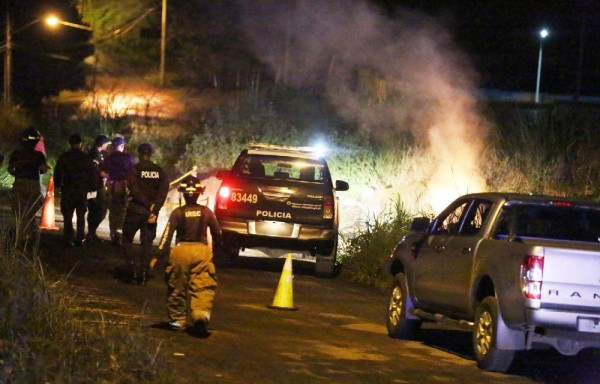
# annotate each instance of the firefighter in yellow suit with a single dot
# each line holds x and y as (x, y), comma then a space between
(190, 273)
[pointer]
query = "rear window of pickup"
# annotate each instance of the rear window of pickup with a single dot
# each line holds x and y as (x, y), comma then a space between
(549, 221)
(281, 167)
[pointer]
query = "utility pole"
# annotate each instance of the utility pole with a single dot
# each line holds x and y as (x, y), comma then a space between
(163, 42)
(8, 63)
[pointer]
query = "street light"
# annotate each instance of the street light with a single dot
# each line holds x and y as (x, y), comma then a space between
(54, 21)
(543, 34)
(51, 21)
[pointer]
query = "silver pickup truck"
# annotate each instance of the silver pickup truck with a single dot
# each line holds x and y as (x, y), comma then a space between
(519, 271)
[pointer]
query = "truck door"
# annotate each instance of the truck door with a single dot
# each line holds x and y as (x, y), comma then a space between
(444, 264)
(431, 260)
(459, 257)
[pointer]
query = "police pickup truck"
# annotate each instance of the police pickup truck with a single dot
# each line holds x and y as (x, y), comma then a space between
(282, 199)
(519, 271)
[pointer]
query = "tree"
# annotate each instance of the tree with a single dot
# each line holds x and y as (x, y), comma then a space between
(126, 34)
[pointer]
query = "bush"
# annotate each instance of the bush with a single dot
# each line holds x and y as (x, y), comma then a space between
(44, 337)
(365, 252)
(216, 145)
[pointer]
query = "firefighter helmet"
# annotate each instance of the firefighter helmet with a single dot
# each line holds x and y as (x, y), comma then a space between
(31, 135)
(191, 185)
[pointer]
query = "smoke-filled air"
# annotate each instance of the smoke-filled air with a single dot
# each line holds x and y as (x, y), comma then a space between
(387, 74)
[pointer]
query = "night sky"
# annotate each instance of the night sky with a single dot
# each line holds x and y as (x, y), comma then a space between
(502, 40)
(500, 37)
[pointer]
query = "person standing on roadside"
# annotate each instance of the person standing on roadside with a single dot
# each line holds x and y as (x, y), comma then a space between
(190, 273)
(116, 167)
(148, 188)
(74, 176)
(26, 165)
(97, 205)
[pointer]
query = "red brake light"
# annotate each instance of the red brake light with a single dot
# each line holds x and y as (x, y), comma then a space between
(328, 207)
(532, 272)
(223, 197)
(564, 204)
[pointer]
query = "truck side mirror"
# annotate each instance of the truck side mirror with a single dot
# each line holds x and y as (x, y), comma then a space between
(341, 185)
(420, 224)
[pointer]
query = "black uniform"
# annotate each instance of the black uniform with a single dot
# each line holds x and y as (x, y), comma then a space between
(117, 165)
(148, 187)
(75, 175)
(190, 273)
(97, 206)
(26, 164)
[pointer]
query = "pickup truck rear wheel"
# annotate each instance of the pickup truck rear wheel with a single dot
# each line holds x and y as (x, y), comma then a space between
(228, 252)
(485, 338)
(325, 265)
(398, 325)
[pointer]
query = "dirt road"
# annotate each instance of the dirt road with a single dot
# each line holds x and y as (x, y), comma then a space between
(336, 336)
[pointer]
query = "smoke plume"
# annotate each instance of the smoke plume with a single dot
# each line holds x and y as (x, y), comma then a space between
(400, 74)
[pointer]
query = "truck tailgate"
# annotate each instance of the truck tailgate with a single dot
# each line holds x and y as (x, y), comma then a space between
(571, 278)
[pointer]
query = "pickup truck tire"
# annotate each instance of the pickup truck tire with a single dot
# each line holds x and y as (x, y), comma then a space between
(228, 252)
(487, 355)
(398, 325)
(325, 265)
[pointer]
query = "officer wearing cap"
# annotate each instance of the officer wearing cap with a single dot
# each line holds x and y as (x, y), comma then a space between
(26, 165)
(75, 177)
(190, 272)
(148, 187)
(97, 204)
(116, 167)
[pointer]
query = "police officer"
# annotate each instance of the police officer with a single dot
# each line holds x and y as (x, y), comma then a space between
(75, 176)
(97, 205)
(148, 187)
(26, 164)
(190, 272)
(116, 167)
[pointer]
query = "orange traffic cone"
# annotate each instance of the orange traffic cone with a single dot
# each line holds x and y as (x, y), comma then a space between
(48, 219)
(284, 296)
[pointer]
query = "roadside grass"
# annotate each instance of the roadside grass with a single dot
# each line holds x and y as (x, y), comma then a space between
(366, 251)
(47, 336)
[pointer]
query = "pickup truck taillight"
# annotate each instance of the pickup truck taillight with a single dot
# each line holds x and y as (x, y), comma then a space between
(532, 272)
(223, 197)
(328, 207)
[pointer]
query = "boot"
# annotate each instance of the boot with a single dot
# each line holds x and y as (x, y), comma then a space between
(143, 276)
(133, 273)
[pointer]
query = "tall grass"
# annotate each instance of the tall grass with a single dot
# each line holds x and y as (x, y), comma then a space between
(551, 150)
(43, 338)
(233, 126)
(366, 251)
